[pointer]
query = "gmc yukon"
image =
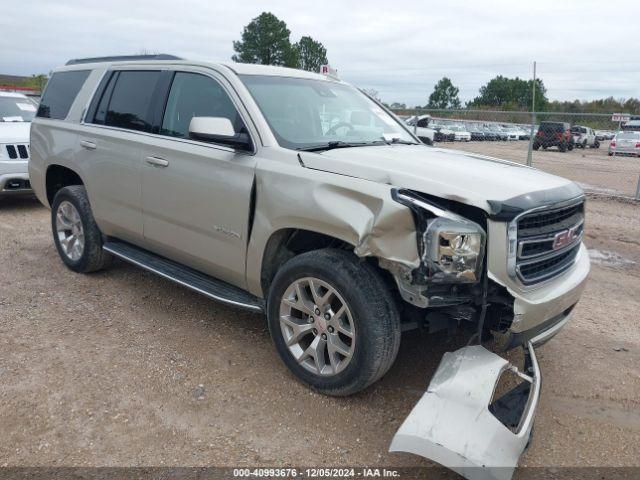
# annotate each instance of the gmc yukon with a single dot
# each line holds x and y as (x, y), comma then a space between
(296, 195)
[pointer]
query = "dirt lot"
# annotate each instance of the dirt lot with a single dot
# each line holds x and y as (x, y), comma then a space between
(592, 168)
(124, 368)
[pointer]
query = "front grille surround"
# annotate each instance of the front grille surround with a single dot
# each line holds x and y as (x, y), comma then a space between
(532, 259)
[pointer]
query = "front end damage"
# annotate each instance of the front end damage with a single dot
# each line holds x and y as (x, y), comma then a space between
(511, 268)
(466, 420)
(460, 424)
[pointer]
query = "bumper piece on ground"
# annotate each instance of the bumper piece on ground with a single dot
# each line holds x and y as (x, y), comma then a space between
(456, 424)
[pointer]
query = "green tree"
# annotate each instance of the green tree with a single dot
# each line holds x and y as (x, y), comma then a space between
(444, 95)
(310, 54)
(511, 94)
(36, 81)
(265, 40)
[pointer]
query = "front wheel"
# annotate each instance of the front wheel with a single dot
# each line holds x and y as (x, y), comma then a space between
(333, 320)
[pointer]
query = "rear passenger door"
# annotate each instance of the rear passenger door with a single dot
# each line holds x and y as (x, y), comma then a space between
(196, 195)
(119, 116)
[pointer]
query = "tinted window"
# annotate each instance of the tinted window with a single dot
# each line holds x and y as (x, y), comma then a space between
(552, 127)
(130, 102)
(101, 109)
(194, 95)
(60, 93)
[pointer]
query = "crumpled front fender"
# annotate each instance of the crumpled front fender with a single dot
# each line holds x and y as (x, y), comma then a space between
(453, 425)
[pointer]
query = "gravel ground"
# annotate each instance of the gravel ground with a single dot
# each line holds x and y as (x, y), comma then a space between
(122, 368)
(592, 168)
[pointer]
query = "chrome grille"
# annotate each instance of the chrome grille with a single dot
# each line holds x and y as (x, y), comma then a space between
(548, 242)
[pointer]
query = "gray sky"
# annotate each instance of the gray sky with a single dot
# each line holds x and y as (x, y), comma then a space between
(585, 49)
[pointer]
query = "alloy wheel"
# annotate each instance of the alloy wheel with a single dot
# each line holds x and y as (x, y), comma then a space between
(70, 230)
(317, 326)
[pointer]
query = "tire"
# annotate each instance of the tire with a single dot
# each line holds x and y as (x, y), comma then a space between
(91, 257)
(562, 147)
(596, 144)
(610, 154)
(536, 146)
(426, 140)
(373, 313)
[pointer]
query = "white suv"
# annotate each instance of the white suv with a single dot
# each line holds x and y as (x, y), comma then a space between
(16, 112)
(584, 137)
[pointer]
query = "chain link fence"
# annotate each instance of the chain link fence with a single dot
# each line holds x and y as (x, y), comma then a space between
(575, 93)
(588, 158)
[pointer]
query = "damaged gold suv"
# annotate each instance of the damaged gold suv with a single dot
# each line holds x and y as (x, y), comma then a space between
(294, 194)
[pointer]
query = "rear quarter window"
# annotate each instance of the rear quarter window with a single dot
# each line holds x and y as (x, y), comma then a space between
(60, 92)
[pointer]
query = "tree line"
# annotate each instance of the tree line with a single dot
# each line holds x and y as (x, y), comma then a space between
(516, 94)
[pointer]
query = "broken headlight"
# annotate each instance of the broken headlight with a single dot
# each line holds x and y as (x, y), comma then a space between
(452, 247)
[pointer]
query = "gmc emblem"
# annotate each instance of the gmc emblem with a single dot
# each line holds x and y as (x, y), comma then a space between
(564, 238)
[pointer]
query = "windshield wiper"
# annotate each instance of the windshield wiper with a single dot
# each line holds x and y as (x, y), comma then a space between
(333, 145)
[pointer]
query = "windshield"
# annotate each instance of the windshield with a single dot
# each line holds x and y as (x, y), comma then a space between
(17, 109)
(304, 113)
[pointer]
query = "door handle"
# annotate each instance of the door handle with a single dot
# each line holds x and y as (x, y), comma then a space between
(157, 162)
(87, 144)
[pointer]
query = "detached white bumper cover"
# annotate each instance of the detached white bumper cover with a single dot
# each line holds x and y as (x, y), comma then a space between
(452, 424)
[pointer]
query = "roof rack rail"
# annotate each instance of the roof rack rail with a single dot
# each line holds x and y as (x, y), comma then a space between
(122, 58)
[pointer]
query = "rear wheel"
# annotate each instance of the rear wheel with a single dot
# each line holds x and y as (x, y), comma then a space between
(562, 147)
(75, 233)
(333, 321)
(536, 146)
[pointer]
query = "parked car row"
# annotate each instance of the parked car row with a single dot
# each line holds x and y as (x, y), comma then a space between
(605, 135)
(560, 135)
(430, 130)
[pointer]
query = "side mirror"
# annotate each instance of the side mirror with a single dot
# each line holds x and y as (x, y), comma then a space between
(218, 130)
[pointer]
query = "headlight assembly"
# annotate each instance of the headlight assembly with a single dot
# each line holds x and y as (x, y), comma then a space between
(454, 250)
(452, 247)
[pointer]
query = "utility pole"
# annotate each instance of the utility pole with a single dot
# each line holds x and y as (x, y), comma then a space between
(533, 118)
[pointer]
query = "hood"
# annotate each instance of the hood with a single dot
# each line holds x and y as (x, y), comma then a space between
(494, 185)
(14, 132)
